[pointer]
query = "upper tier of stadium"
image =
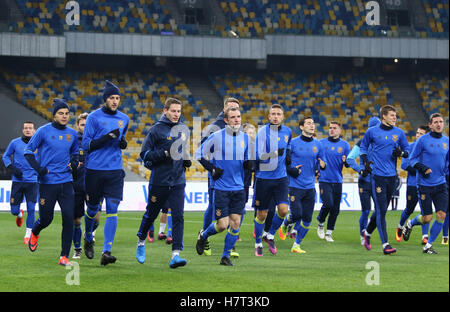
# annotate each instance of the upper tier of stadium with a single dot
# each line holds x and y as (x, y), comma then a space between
(243, 18)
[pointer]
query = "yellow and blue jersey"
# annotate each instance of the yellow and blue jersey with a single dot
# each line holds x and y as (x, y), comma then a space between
(55, 147)
(98, 124)
(380, 142)
(334, 149)
(14, 155)
(227, 151)
(269, 140)
(432, 151)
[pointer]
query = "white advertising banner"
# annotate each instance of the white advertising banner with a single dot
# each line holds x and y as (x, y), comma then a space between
(196, 197)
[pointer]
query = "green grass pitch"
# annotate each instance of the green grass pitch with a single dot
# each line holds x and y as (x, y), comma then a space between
(342, 266)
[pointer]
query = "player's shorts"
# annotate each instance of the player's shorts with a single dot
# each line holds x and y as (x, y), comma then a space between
(302, 203)
(268, 189)
(429, 195)
(226, 203)
(103, 184)
(21, 189)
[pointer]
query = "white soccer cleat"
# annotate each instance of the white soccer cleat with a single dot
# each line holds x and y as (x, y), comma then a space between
(320, 231)
(328, 238)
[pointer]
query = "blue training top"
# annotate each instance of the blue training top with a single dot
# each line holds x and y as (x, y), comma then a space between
(98, 124)
(16, 151)
(54, 147)
(267, 141)
(227, 151)
(381, 142)
(305, 152)
(333, 150)
(431, 150)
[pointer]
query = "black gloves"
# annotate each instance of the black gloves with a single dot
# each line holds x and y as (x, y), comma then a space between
(216, 173)
(279, 152)
(411, 170)
(249, 165)
(16, 171)
(114, 134)
(293, 171)
(422, 169)
(288, 159)
(42, 172)
(123, 143)
(367, 169)
(96, 144)
(397, 152)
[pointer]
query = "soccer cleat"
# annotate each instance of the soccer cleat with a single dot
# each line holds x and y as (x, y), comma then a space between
(407, 229)
(399, 234)
(361, 235)
(151, 236)
(293, 234)
(258, 251)
(328, 238)
(283, 232)
(88, 249)
(320, 231)
(296, 249)
(200, 246)
(169, 240)
(226, 261)
(140, 253)
(162, 236)
(107, 258)
(207, 250)
(367, 241)
(424, 240)
(389, 250)
(264, 239)
(19, 220)
(64, 261)
(234, 253)
(272, 247)
(77, 253)
(430, 251)
(176, 262)
(33, 242)
(444, 241)
(26, 240)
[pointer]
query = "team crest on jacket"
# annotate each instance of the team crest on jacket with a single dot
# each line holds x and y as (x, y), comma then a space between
(120, 123)
(286, 138)
(292, 198)
(242, 144)
(361, 190)
(444, 146)
(339, 149)
(68, 137)
(218, 212)
(315, 149)
(395, 138)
